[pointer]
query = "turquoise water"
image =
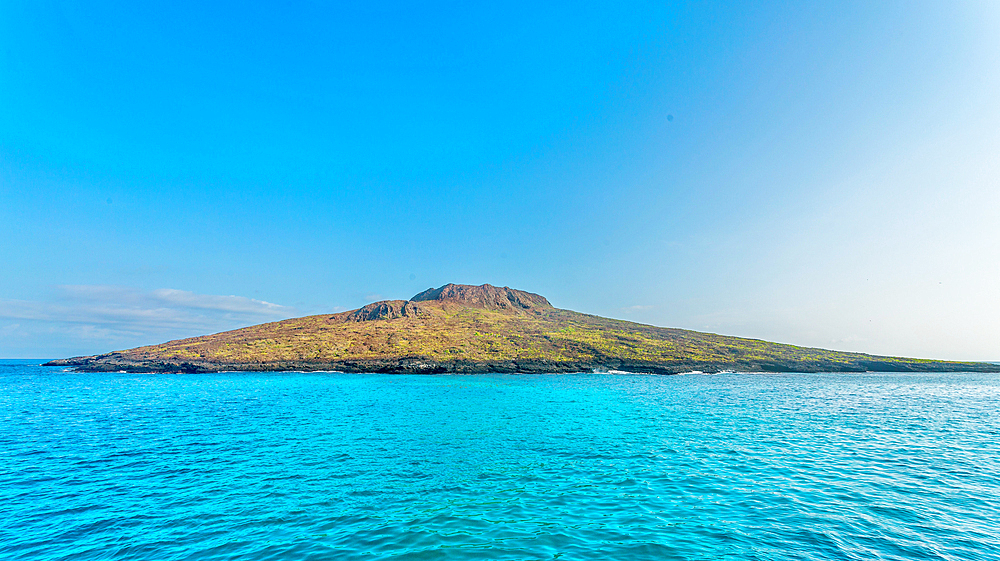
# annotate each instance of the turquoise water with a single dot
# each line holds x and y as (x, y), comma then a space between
(591, 466)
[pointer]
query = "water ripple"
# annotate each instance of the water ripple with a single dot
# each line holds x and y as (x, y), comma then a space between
(320, 466)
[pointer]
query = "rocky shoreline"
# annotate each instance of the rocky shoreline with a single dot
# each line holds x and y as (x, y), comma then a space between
(417, 365)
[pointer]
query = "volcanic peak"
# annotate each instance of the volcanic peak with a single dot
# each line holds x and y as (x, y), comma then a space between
(484, 296)
(480, 329)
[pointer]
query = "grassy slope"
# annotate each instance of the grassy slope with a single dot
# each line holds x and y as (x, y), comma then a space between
(449, 332)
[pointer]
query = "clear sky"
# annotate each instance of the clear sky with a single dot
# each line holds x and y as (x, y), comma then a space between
(822, 174)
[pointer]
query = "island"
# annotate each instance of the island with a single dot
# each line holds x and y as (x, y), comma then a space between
(485, 329)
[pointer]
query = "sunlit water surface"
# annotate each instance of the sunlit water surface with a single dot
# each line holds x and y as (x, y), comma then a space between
(590, 466)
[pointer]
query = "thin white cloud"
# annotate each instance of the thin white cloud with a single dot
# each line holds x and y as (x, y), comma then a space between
(241, 304)
(118, 314)
(171, 298)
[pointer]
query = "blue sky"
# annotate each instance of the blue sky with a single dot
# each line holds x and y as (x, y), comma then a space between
(821, 174)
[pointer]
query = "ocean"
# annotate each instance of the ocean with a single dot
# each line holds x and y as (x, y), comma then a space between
(585, 466)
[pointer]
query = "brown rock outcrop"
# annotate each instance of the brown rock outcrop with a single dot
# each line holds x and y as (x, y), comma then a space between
(387, 309)
(484, 296)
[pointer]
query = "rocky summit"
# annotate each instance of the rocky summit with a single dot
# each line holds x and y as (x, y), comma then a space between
(485, 296)
(477, 329)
